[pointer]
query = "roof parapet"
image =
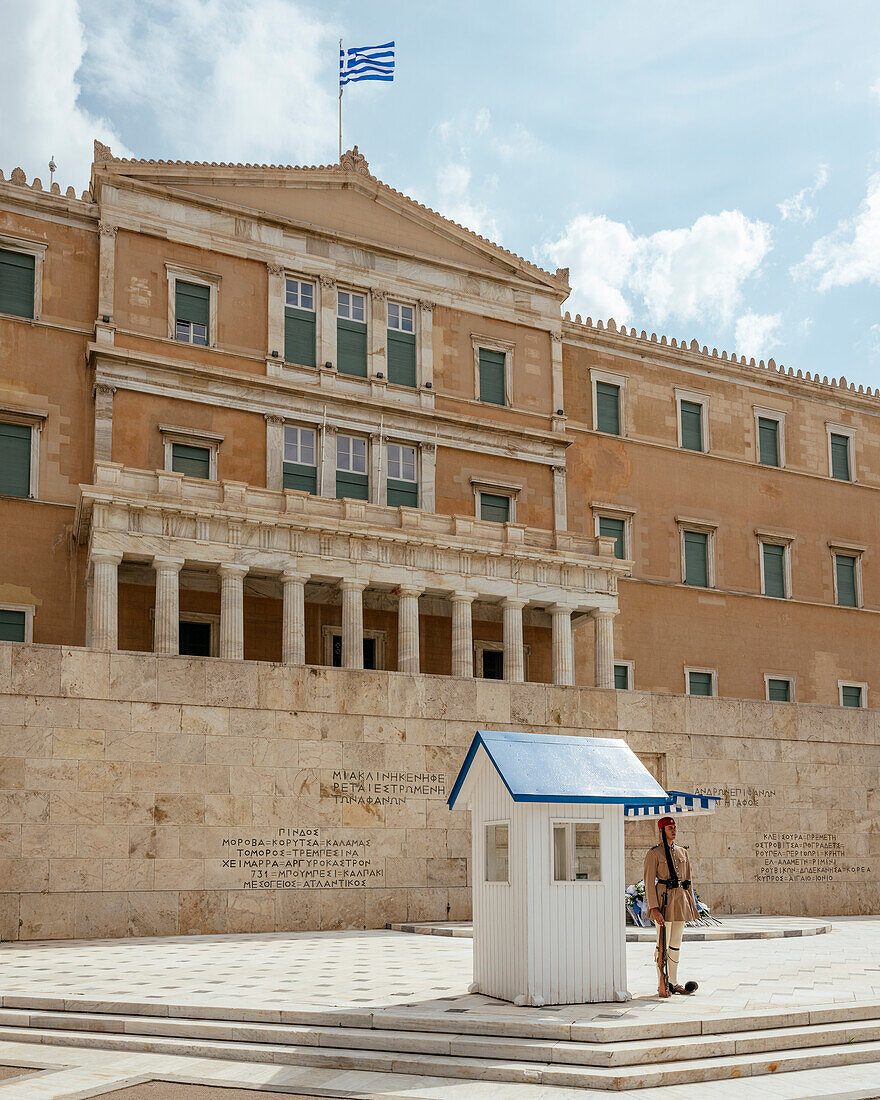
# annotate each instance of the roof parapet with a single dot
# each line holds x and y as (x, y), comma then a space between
(18, 179)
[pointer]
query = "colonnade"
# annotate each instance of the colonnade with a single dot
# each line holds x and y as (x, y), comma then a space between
(166, 625)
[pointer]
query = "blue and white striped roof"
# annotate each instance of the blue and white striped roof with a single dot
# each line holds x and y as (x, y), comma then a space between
(677, 803)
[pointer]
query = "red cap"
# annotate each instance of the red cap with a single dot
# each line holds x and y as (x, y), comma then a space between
(664, 821)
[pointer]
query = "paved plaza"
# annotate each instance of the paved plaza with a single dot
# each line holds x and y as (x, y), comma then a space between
(372, 979)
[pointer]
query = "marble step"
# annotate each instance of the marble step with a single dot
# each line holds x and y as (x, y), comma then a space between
(655, 1074)
(627, 1053)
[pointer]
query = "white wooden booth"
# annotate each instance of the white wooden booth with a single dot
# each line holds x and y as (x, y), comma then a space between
(547, 815)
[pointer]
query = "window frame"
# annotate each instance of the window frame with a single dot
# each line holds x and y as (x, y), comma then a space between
(790, 680)
(37, 249)
(191, 437)
(508, 489)
(695, 398)
(601, 510)
(698, 527)
(482, 644)
(503, 347)
(766, 538)
(329, 632)
(847, 551)
(34, 419)
(762, 413)
(609, 379)
(630, 667)
(850, 433)
(300, 282)
(318, 451)
(486, 826)
(29, 610)
(177, 272)
(713, 672)
(401, 304)
(351, 291)
(863, 688)
(569, 824)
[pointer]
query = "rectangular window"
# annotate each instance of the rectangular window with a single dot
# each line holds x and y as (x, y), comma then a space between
(608, 408)
(300, 459)
(402, 488)
(192, 461)
(768, 441)
(616, 529)
(15, 460)
(847, 591)
(492, 384)
(497, 853)
(351, 468)
(351, 333)
(13, 626)
(299, 323)
(840, 463)
(700, 683)
(773, 557)
(401, 344)
(696, 558)
(191, 312)
(778, 690)
(691, 426)
(621, 677)
(577, 852)
(852, 695)
(495, 508)
(17, 282)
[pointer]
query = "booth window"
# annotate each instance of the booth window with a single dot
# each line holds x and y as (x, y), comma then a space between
(577, 853)
(497, 853)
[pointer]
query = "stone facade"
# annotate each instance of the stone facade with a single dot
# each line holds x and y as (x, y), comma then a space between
(144, 794)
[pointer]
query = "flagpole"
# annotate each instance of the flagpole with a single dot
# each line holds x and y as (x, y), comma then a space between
(340, 101)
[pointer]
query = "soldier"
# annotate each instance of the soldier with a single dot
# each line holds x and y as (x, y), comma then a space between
(671, 903)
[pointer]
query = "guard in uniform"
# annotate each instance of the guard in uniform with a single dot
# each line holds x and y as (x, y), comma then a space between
(671, 903)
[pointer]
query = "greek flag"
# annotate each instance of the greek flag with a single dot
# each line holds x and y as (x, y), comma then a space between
(366, 63)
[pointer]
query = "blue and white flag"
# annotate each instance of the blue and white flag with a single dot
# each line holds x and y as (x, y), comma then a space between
(366, 63)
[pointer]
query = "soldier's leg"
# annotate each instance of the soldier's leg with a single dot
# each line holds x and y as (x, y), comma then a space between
(674, 931)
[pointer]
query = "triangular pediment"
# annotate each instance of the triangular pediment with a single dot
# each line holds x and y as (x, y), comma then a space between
(341, 200)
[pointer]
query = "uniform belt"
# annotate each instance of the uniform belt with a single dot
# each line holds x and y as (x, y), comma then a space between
(673, 883)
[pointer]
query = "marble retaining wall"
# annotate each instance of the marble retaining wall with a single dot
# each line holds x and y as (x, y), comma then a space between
(144, 795)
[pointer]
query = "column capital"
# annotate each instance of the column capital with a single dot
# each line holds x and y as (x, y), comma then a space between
(556, 337)
(107, 230)
(103, 390)
(232, 569)
(603, 614)
(558, 469)
(561, 608)
(275, 269)
(426, 305)
(463, 597)
(378, 295)
(293, 576)
(275, 419)
(105, 557)
(168, 565)
(328, 282)
(409, 590)
(352, 585)
(514, 602)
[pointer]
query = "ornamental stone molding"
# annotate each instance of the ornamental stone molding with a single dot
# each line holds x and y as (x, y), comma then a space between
(378, 295)
(328, 282)
(102, 153)
(107, 230)
(556, 337)
(102, 390)
(18, 177)
(353, 160)
(275, 269)
(426, 306)
(274, 420)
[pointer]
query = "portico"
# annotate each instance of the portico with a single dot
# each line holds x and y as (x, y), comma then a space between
(300, 547)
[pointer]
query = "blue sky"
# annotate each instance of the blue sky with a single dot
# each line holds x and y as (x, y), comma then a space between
(705, 170)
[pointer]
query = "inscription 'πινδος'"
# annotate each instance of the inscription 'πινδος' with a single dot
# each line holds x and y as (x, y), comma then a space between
(385, 788)
(805, 857)
(303, 859)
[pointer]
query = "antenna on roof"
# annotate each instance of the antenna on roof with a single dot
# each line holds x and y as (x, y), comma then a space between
(52, 167)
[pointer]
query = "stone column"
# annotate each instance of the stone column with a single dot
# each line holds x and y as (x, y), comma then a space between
(105, 601)
(275, 334)
(425, 357)
(166, 617)
(274, 452)
(90, 591)
(556, 368)
(104, 422)
(563, 644)
(377, 350)
(560, 506)
(293, 631)
(514, 656)
(408, 629)
(352, 623)
(232, 611)
(327, 472)
(462, 634)
(327, 347)
(427, 476)
(106, 282)
(604, 621)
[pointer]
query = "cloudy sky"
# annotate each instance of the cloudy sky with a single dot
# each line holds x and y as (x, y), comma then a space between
(705, 169)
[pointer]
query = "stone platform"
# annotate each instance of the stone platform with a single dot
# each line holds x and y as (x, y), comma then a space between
(379, 1004)
(730, 928)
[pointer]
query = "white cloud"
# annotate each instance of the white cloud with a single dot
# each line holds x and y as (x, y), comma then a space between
(457, 202)
(797, 208)
(41, 50)
(756, 334)
(851, 253)
(682, 274)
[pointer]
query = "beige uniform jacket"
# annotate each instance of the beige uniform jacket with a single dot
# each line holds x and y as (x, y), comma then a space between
(680, 904)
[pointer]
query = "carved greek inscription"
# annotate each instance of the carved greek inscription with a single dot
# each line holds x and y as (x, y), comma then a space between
(738, 796)
(805, 857)
(302, 859)
(385, 788)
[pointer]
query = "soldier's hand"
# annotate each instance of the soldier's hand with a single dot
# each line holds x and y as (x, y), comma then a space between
(656, 916)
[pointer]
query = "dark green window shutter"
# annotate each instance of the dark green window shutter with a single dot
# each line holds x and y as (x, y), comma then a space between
(401, 358)
(192, 303)
(402, 492)
(840, 457)
(691, 426)
(15, 460)
(851, 696)
(17, 283)
(299, 336)
(696, 559)
(353, 486)
(297, 476)
(779, 691)
(846, 580)
(608, 408)
(492, 376)
(12, 625)
(613, 528)
(768, 441)
(351, 347)
(621, 677)
(192, 461)
(495, 508)
(699, 683)
(774, 570)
